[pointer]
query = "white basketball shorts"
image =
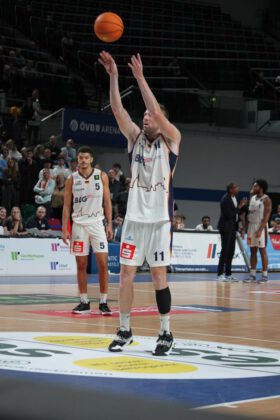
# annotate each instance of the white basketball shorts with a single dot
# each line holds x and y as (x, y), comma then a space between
(152, 241)
(83, 236)
(252, 240)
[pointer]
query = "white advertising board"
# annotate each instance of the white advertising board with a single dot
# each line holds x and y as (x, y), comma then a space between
(35, 257)
(200, 251)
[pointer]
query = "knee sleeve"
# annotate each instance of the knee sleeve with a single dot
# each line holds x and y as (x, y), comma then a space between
(163, 298)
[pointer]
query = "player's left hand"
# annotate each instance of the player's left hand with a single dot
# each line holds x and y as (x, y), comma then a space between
(136, 66)
(109, 232)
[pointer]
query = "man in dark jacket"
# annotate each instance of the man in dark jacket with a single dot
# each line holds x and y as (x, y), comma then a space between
(227, 225)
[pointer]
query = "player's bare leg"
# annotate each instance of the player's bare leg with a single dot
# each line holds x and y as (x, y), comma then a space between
(103, 278)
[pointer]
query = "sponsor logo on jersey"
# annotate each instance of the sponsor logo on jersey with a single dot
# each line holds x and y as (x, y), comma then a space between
(78, 246)
(127, 251)
(96, 177)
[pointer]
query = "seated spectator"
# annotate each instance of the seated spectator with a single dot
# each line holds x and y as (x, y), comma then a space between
(3, 166)
(205, 225)
(12, 150)
(10, 185)
(3, 215)
(114, 185)
(60, 168)
(38, 220)
(58, 197)
(44, 190)
(68, 151)
(53, 146)
(275, 221)
(179, 221)
(15, 224)
(73, 166)
(119, 173)
(47, 164)
(117, 228)
(121, 199)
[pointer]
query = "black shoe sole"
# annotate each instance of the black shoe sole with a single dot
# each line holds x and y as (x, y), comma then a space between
(81, 312)
(120, 349)
(105, 313)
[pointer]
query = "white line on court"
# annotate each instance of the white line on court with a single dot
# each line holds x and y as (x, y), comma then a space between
(205, 407)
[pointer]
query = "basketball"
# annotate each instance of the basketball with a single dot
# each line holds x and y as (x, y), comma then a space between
(108, 27)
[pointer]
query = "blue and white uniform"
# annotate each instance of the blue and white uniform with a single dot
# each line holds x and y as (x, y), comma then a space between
(255, 217)
(88, 215)
(147, 226)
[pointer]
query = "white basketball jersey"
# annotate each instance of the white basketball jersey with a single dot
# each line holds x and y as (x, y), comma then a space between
(150, 196)
(256, 209)
(87, 198)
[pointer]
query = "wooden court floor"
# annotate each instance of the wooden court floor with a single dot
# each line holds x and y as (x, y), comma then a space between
(239, 316)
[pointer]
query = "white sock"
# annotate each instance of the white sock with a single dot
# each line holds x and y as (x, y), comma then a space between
(103, 298)
(125, 321)
(84, 297)
(253, 272)
(164, 324)
(264, 273)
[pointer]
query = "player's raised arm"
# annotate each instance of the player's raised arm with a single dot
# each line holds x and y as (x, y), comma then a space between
(152, 105)
(129, 129)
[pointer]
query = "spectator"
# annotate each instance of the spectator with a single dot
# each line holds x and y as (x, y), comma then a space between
(61, 169)
(38, 220)
(55, 150)
(121, 199)
(58, 197)
(15, 224)
(27, 114)
(73, 165)
(3, 165)
(28, 170)
(10, 187)
(44, 190)
(69, 152)
(117, 228)
(275, 221)
(258, 89)
(205, 225)
(119, 173)
(12, 150)
(3, 215)
(47, 164)
(114, 185)
(179, 222)
(38, 154)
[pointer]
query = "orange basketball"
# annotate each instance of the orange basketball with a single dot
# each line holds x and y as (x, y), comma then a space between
(108, 27)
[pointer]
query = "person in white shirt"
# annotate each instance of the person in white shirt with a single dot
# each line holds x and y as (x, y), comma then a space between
(60, 168)
(205, 225)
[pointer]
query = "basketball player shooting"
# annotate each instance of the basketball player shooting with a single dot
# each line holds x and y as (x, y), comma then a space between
(147, 230)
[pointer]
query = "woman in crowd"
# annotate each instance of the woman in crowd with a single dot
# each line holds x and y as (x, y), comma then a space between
(13, 151)
(44, 190)
(15, 224)
(58, 197)
(10, 185)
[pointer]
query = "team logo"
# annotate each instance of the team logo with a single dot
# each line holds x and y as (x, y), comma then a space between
(74, 125)
(78, 246)
(127, 251)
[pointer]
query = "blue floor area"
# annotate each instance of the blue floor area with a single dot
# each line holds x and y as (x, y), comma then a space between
(114, 278)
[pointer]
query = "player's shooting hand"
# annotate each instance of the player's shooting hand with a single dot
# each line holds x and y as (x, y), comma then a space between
(136, 66)
(109, 232)
(108, 63)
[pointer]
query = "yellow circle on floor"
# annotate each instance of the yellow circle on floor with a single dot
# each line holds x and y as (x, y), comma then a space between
(81, 341)
(128, 364)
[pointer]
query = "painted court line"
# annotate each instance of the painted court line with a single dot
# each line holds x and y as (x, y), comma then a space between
(205, 407)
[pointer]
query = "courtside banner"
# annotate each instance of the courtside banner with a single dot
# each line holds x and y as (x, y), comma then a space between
(92, 128)
(200, 251)
(35, 257)
(272, 249)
